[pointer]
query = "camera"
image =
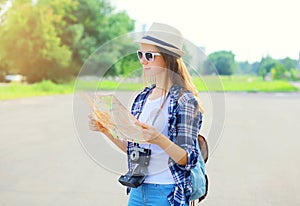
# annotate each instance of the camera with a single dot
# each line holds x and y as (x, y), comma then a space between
(141, 158)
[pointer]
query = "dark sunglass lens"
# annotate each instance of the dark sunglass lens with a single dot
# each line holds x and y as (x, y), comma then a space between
(140, 54)
(149, 56)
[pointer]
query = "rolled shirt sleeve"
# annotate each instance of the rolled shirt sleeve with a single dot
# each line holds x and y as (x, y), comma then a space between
(189, 120)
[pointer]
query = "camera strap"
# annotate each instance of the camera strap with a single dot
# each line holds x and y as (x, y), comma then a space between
(158, 112)
(161, 107)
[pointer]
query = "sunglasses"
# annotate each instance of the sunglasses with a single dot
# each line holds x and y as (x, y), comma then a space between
(149, 56)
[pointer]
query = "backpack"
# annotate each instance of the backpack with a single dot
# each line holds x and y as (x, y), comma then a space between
(198, 174)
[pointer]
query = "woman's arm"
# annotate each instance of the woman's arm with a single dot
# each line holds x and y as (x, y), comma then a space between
(153, 136)
(97, 126)
(121, 144)
(189, 120)
(177, 153)
(188, 124)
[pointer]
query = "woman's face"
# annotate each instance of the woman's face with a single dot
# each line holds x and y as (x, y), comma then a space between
(155, 67)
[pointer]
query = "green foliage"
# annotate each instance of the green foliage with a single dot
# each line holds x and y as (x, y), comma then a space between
(51, 39)
(30, 43)
(288, 63)
(129, 66)
(245, 68)
(295, 75)
(265, 66)
(221, 62)
(278, 71)
(95, 24)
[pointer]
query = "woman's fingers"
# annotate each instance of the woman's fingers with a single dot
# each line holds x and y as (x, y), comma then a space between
(94, 124)
(150, 133)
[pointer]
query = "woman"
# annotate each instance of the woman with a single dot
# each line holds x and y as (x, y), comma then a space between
(170, 115)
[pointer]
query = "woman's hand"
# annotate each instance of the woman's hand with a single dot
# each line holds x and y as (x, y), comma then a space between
(153, 136)
(150, 133)
(95, 125)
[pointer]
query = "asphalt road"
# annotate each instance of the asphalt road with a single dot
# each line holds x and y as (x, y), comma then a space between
(47, 159)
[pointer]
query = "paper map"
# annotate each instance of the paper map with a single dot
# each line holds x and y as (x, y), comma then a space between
(113, 115)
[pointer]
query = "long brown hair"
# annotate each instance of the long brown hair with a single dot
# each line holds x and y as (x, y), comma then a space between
(178, 74)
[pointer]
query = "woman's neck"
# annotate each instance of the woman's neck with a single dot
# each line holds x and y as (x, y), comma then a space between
(160, 90)
(163, 86)
(162, 82)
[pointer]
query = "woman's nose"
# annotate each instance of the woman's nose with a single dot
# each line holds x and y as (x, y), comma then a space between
(143, 61)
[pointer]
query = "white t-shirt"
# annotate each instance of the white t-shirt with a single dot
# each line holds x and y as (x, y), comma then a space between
(158, 170)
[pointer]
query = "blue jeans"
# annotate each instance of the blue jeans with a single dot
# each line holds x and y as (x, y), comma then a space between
(150, 195)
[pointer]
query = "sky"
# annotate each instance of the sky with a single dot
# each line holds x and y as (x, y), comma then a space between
(251, 29)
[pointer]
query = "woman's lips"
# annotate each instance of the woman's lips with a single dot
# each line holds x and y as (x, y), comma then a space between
(147, 68)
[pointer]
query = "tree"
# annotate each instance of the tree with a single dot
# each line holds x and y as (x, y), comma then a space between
(51, 39)
(91, 24)
(243, 67)
(254, 68)
(265, 66)
(30, 43)
(247, 68)
(288, 63)
(129, 66)
(278, 71)
(222, 62)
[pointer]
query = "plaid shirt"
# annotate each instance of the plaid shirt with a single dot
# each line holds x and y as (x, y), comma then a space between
(184, 123)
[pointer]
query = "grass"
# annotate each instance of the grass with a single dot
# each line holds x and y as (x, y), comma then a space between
(109, 85)
(17, 90)
(242, 84)
(206, 83)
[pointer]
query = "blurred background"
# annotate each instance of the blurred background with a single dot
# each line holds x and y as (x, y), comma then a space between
(254, 43)
(244, 57)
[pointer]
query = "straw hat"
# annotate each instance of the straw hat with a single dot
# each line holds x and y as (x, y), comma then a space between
(164, 36)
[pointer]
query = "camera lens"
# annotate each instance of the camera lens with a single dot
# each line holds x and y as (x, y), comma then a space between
(134, 156)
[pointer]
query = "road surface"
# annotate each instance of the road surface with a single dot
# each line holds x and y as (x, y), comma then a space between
(254, 162)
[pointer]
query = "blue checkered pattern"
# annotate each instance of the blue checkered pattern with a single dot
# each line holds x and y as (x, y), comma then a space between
(184, 123)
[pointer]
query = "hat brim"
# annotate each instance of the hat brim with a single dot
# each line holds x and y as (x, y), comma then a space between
(173, 51)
